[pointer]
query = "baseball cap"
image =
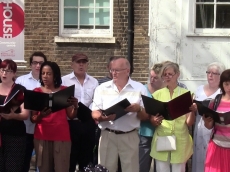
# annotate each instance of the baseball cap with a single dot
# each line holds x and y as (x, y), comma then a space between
(79, 56)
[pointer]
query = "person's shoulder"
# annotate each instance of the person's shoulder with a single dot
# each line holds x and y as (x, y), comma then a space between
(136, 84)
(23, 77)
(183, 90)
(62, 87)
(66, 76)
(162, 90)
(200, 89)
(180, 84)
(37, 89)
(106, 84)
(92, 78)
(19, 86)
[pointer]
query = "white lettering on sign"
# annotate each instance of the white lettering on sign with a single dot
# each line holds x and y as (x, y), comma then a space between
(7, 21)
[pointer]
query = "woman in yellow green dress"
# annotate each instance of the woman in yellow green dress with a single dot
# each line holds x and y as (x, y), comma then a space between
(178, 127)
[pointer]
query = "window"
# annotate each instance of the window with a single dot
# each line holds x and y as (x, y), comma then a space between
(212, 17)
(86, 18)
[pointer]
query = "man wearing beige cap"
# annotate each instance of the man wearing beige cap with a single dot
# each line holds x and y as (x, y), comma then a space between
(82, 132)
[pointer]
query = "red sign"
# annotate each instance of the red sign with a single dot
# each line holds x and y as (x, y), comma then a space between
(12, 30)
(12, 19)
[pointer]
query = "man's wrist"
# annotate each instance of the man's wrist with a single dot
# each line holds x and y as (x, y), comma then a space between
(140, 110)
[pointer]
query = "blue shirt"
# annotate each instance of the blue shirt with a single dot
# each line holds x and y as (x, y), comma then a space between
(146, 128)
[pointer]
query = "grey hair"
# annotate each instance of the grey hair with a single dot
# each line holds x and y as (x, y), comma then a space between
(126, 61)
(173, 65)
(220, 66)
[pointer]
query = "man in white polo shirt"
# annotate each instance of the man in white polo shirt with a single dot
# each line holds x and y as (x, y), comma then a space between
(82, 132)
(121, 136)
(31, 81)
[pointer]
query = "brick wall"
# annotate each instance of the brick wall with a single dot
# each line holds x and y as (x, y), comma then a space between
(41, 26)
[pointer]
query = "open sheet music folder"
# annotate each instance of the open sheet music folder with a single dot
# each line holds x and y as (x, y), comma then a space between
(203, 110)
(118, 109)
(83, 112)
(37, 101)
(13, 101)
(169, 110)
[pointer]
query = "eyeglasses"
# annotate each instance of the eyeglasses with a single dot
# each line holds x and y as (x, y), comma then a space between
(6, 70)
(213, 73)
(116, 70)
(169, 75)
(36, 63)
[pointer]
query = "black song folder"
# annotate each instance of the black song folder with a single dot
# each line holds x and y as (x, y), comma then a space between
(169, 110)
(12, 102)
(118, 109)
(37, 101)
(83, 112)
(207, 112)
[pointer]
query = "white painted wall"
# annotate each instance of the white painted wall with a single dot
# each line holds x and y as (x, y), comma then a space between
(172, 38)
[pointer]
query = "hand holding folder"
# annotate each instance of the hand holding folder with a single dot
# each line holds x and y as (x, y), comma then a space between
(207, 112)
(118, 109)
(83, 112)
(169, 110)
(13, 102)
(38, 101)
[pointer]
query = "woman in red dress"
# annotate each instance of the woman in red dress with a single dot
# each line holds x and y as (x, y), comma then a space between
(51, 136)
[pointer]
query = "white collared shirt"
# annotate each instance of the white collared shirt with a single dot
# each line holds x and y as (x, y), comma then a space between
(84, 93)
(107, 95)
(29, 82)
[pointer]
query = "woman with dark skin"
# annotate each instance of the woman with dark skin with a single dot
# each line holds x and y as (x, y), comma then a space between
(51, 137)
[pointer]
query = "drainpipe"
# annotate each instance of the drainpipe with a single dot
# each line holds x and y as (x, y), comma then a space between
(130, 34)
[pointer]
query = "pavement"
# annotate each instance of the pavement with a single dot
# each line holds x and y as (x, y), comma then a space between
(33, 162)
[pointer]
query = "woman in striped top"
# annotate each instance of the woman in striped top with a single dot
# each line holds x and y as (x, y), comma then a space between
(218, 152)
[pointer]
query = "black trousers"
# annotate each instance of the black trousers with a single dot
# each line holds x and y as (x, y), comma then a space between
(29, 150)
(83, 142)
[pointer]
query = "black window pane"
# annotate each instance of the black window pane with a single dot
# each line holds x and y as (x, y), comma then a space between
(223, 16)
(204, 16)
(204, 0)
(222, 0)
(101, 27)
(70, 26)
(86, 26)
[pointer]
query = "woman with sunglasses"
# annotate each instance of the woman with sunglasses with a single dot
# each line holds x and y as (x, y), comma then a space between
(12, 127)
(177, 127)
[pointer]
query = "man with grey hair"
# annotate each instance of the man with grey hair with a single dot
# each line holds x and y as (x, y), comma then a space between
(115, 137)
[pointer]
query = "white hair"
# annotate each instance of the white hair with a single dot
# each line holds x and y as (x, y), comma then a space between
(220, 66)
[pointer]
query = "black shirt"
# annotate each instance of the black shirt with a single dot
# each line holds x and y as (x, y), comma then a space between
(12, 126)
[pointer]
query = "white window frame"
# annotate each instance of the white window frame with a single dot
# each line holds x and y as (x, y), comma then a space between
(79, 35)
(193, 31)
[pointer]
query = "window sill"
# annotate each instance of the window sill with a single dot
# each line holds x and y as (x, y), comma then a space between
(208, 35)
(60, 39)
(20, 63)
